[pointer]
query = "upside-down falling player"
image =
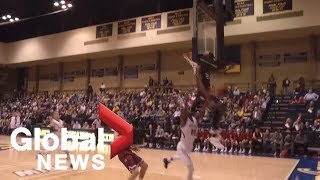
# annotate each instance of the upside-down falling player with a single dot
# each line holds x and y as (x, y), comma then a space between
(215, 109)
(189, 128)
(133, 162)
(57, 124)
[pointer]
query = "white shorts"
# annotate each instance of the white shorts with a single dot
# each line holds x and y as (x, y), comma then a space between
(183, 154)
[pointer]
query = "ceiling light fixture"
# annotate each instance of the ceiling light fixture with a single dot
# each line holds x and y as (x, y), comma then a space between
(63, 6)
(16, 19)
(56, 4)
(11, 20)
(8, 16)
(62, 2)
(4, 17)
(69, 5)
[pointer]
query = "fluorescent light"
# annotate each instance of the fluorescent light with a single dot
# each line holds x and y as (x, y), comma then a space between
(70, 5)
(16, 19)
(11, 20)
(8, 16)
(63, 6)
(56, 4)
(4, 17)
(62, 2)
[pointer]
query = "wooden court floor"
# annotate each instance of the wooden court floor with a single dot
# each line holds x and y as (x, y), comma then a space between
(207, 167)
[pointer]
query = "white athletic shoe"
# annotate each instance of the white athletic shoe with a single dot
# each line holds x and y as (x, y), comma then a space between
(214, 149)
(231, 150)
(225, 150)
(250, 151)
(216, 141)
(235, 151)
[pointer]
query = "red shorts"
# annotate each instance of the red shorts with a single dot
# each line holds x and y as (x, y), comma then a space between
(129, 159)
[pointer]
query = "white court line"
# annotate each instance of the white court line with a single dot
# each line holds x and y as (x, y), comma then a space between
(292, 169)
(153, 172)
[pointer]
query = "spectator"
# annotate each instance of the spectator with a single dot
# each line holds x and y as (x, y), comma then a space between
(89, 92)
(96, 124)
(236, 92)
(300, 142)
(287, 145)
(298, 91)
(86, 126)
(102, 88)
(288, 125)
(13, 122)
(76, 125)
(285, 85)
(266, 141)
(174, 136)
(311, 96)
(150, 136)
(276, 142)
(272, 85)
(298, 124)
(151, 82)
(247, 141)
(257, 139)
(159, 136)
(302, 84)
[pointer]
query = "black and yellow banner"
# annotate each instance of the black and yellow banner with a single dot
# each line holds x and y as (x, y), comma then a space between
(178, 18)
(244, 7)
(104, 31)
(270, 6)
(128, 26)
(151, 22)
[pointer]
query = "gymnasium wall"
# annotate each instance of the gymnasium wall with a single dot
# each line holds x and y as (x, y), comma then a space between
(2, 53)
(83, 41)
(143, 76)
(47, 84)
(293, 70)
(31, 78)
(79, 82)
(175, 68)
(109, 81)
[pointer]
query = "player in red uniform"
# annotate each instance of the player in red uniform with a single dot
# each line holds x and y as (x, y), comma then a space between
(247, 141)
(237, 141)
(132, 162)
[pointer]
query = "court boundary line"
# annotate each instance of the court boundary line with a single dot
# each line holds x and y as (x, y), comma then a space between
(294, 167)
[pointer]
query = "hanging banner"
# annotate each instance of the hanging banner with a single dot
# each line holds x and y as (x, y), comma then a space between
(128, 26)
(104, 31)
(244, 7)
(151, 22)
(270, 6)
(178, 18)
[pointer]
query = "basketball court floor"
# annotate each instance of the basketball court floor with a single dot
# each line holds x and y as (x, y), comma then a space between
(207, 167)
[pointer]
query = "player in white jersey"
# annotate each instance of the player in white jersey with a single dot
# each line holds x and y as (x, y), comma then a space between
(57, 124)
(189, 129)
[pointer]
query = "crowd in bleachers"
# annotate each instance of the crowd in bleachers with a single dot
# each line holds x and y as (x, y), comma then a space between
(155, 113)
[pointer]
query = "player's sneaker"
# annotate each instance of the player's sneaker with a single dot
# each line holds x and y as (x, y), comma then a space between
(216, 141)
(165, 162)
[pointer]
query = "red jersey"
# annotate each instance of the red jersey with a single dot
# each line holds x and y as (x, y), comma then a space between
(257, 135)
(203, 134)
(239, 136)
(224, 135)
(247, 136)
(230, 135)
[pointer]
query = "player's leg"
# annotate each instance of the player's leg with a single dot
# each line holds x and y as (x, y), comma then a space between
(185, 158)
(144, 167)
(134, 173)
(177, 156)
